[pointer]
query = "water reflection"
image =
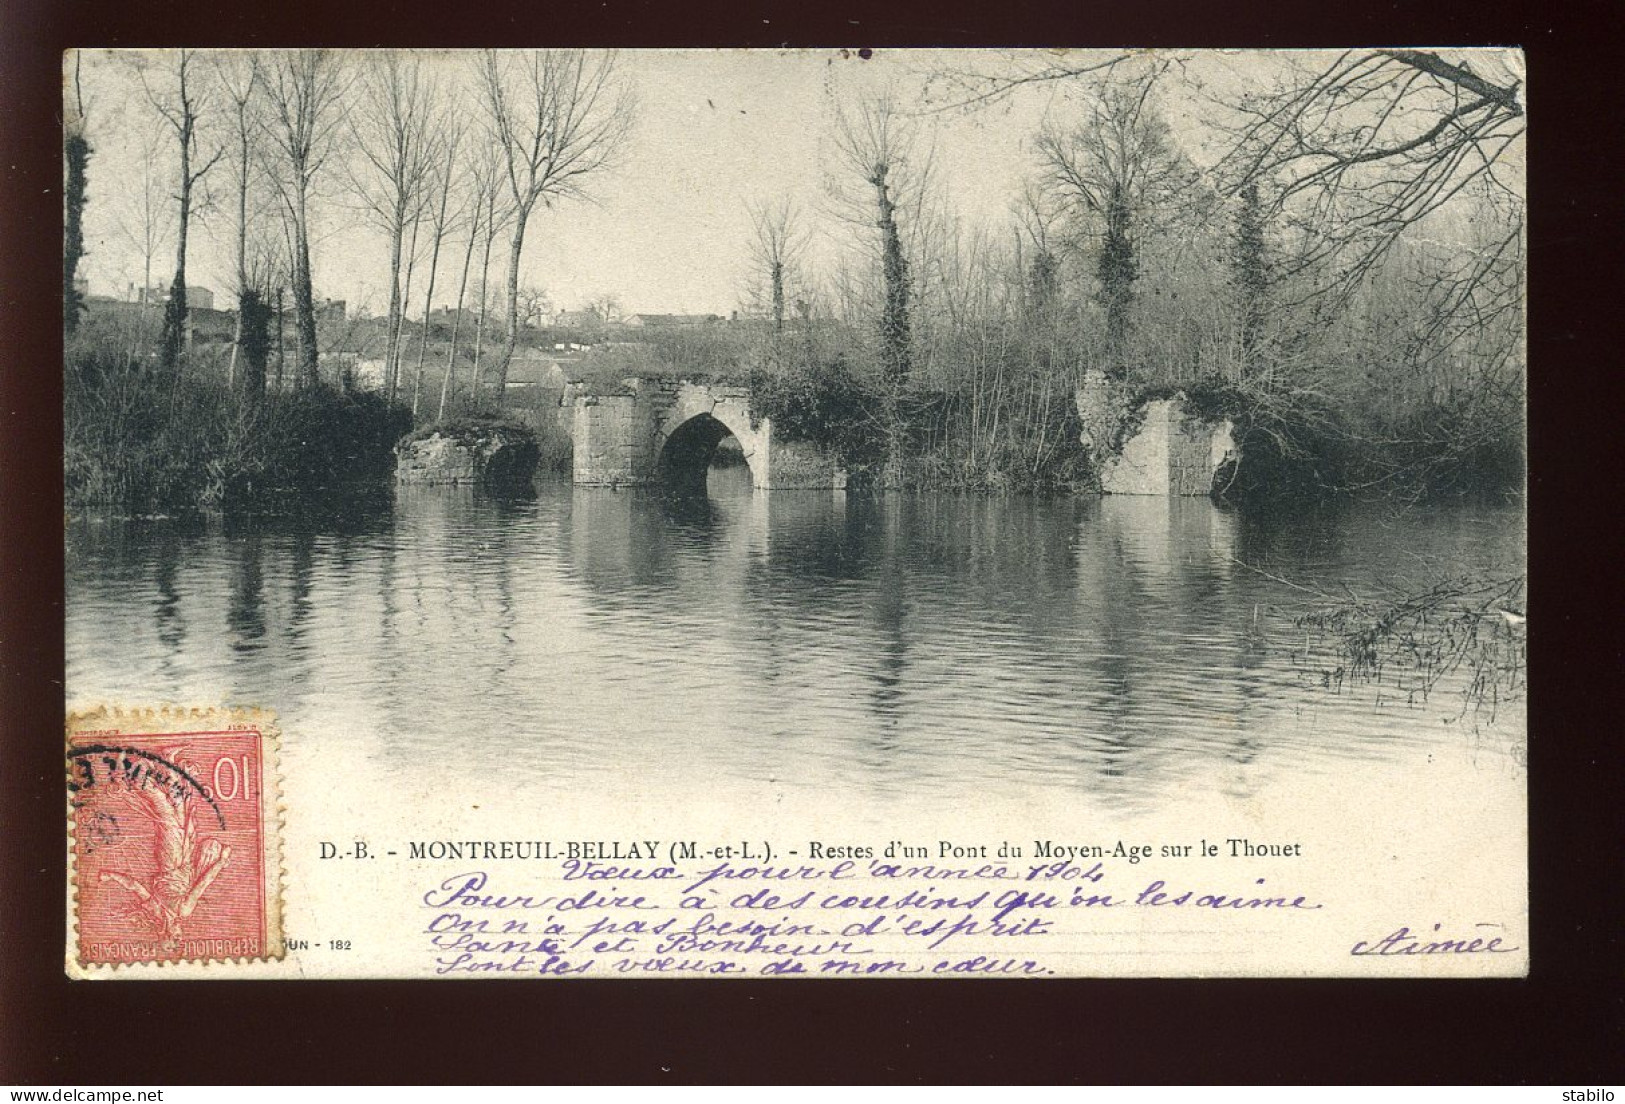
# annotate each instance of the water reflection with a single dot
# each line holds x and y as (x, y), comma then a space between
(246, 614)
(621, 641)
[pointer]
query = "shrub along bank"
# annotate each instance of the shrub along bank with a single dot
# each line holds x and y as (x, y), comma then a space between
(141, 439)
(1296, 445)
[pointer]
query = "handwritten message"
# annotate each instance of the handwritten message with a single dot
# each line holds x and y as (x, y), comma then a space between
(652, 908)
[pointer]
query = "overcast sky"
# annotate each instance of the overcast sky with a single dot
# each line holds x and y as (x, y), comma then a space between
(667, 229)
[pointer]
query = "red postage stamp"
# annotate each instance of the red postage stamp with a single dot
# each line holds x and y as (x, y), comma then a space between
(174, 848)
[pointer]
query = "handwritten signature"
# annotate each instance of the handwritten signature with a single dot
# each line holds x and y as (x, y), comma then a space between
(1406, 942)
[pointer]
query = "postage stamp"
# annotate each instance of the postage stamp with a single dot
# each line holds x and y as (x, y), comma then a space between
(174, 846)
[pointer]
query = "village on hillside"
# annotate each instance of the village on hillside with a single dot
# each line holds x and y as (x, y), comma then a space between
(554, 348)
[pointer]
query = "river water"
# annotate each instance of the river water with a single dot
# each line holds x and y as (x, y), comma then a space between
(624, 647)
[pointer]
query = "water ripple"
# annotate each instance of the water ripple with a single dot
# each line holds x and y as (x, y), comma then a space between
(1113, 648)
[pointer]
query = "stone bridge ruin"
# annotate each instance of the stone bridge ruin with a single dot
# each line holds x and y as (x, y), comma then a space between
(654, 431)
(1155, 448)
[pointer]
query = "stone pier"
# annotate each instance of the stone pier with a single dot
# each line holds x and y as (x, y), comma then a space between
(1156, 448)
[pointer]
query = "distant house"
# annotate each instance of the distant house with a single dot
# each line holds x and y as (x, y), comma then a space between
(578, 319)
(197, 298)
(329, 310)
(671, 320)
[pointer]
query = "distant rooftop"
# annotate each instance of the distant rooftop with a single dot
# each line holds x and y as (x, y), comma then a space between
(672, 319)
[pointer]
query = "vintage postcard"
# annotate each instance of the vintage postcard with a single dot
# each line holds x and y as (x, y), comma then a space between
(811, 514)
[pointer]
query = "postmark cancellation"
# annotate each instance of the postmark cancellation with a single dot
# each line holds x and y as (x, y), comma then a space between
(174, 849)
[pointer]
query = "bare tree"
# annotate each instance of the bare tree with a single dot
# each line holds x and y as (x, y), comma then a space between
(495, 215)
(997, 74)
(878, 145)
(303, 88)
(606, 308)
(1117, 167)
(1357, 151)
(443, 180)
(1345, 154)
(238, 75)
(398, 331)
(558, 117)
(181, 102)
(391, 128)
(776, 251)
(1039, 239)
(143, 215)
(479, 210)
(265, 269)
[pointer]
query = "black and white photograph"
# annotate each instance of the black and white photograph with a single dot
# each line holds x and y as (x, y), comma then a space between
(828, 513)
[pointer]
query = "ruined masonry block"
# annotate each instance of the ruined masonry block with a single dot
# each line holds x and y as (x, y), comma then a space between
(1171, 452)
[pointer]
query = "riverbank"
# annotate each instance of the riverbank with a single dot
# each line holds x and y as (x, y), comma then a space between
(1291, 446)
(141, 440)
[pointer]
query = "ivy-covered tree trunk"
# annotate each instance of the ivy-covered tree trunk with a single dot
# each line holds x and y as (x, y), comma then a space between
(1043, 284)
(183, 117)
(281, 338)
(895, 334)
(77, 151)
(776, 275)
(1251, 275)
(174, 334)
(254, 330)
(239, 339)
(894, 321)
(1117, 272)
(304, 303)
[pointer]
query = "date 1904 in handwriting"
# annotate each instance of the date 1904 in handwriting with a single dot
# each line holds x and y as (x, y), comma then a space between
(825, 919)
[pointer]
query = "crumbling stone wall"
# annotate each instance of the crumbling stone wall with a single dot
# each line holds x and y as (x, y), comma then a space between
(1160, 448)
(482, 455)
(1103, 408)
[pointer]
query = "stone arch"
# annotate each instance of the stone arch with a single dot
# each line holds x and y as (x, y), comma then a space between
(666, 431)
(684, 454)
